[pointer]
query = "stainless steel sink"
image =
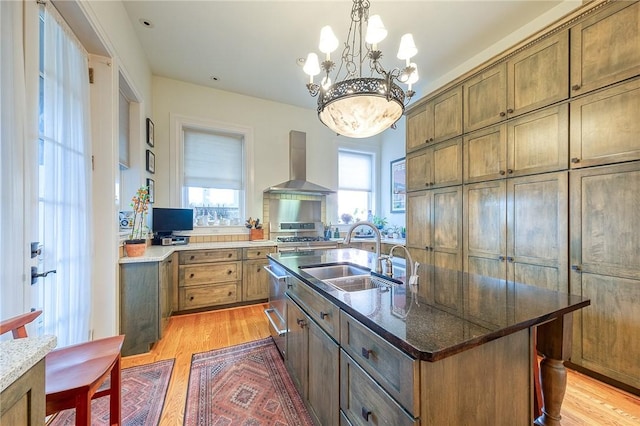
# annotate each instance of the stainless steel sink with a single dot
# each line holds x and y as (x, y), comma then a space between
(329, 272)
(352, 283)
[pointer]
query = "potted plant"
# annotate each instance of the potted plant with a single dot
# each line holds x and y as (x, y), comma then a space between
(136, 244)
(379, 222)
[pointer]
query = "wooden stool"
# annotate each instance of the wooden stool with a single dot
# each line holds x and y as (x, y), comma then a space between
(74, 374)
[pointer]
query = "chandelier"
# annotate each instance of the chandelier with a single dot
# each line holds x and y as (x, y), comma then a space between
(358, 105)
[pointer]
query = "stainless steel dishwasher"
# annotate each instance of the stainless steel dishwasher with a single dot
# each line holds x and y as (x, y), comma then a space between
(277, 310)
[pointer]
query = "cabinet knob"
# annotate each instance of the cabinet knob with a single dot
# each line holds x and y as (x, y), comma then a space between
(365, 352)
(575, 87)
(502, 173)
(510, 111)
(426, 248)
(259, 253)
(503, 114)
(191, 298)
(575, 160)
(230, 254)
(230, 293)
(229, 272)
(576, 268)
(510, 259)
(191, 275)
(300, 322)
(192, 257)
(365, 414)
(509, 171)
(501, 258)
(323, 314)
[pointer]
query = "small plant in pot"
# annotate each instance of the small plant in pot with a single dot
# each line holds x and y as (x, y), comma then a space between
(379, 222)
(136, 244)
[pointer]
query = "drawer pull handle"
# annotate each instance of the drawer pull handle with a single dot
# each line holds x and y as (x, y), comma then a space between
(259, 253)
(300, 322)
(575, 160)
(501, 258)
(575, 87)
(323, 314)
(510, 111)
(191, 298)
(366, 352)
(229, 272)
(192, 257)
(191, 275)
(230, 254)
(502, 113)
(502, 173)
(509, 171)
(365, 414)
(510, 259)
(230, 293)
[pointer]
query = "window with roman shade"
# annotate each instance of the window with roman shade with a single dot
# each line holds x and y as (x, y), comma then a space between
(355, 185)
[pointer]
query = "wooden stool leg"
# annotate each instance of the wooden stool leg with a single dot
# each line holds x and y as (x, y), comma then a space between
(114, 395)
(83, 410)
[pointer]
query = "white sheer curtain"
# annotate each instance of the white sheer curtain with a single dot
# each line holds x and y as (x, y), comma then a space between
(65, 183)
(12, 133)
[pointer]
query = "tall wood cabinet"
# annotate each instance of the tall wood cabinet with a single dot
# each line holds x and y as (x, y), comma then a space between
(605, 267)
(436, 120)
(550, 173)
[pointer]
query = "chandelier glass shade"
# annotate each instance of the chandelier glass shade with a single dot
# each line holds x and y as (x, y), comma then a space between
(364, 98)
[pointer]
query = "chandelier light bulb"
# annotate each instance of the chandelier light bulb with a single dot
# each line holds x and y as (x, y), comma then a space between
(413, 77)
(311, 65)
(326, 83)
(407, 48)
(328, 41)
(376, 32)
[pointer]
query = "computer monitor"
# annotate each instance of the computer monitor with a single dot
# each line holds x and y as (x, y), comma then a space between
(168, 220)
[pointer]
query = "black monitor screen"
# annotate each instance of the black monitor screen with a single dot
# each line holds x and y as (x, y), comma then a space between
(166, 220)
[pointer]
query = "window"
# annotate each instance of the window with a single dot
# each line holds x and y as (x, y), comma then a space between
(213, 176)
(355, 185)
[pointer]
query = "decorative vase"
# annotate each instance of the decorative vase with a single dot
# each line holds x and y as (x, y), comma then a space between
(135, 248)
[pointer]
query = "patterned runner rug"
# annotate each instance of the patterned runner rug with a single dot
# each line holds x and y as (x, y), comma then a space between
(246, 384)
(144, 389)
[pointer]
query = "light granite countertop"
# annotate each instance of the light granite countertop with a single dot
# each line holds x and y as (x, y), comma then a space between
(19, 355)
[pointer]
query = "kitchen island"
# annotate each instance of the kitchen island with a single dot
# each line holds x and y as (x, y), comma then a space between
(450, 365)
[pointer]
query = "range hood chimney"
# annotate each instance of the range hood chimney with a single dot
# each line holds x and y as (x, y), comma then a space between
(297, 183)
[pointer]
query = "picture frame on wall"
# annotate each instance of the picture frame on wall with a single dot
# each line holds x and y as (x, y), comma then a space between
(398, 185)
(150, 132)
(151, 188)
(151, 162)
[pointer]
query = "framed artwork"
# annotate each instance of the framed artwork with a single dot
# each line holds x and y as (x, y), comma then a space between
(151, 162)
(398, 185)
(151, 185)
(150, 132)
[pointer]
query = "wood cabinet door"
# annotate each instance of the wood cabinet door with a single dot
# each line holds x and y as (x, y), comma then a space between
(165, 289)
(537, 230)
(538, 142)
(255, 280)
(447, 115)
(419, 219)
(419, 127)
(485, 222)
(485, 154)
(485, 98)
(324, 376)
(605, 126)
(139, 306)
(297, 347)
(604, 48)
(539, 75)
(605, 259)
(446, 163)
(419, 169)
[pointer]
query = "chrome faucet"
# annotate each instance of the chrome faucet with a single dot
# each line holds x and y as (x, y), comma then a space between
(376, 231)
(411, 272)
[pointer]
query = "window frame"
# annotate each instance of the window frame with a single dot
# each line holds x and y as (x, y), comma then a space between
(177, 124)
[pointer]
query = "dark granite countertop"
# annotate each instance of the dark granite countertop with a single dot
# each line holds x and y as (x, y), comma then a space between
(480, 310)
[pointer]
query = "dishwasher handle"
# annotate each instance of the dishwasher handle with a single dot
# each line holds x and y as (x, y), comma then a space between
(273, 274)
(268, 312)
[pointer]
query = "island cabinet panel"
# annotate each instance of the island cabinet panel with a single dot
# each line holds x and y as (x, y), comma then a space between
(517, 230)
(490, 393)
(605, 126)
(23, 401)
(604, 47)
(605, 266)
(437, 120)
(313, 361)
(435, 166)
(365, 402)
(394, 370)
(318, 307)
(255, 280)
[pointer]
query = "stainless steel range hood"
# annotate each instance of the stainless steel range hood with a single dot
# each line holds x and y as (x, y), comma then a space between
(297, 183)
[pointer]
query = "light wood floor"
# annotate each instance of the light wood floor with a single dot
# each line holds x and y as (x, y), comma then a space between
(587, 401)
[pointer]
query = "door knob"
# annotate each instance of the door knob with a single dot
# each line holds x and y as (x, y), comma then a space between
(35, 274)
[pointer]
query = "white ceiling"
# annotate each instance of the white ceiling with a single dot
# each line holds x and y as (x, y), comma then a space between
(252, 46)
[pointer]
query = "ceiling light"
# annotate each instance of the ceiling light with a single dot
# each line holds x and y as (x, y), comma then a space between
(361, 103)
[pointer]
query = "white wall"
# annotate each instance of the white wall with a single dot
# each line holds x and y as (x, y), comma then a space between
(270, 122)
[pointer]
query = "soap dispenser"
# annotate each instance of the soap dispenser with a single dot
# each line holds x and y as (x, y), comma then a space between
(336, 233)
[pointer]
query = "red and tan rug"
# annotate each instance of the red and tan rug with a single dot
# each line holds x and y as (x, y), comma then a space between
(246, 384)
(144, 389)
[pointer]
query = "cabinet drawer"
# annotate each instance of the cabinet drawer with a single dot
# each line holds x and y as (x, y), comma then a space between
(205, 256)
(364, 402)
(397, 372)
(208, 295)
(257, 253)
(317, 307)
(215, 272)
